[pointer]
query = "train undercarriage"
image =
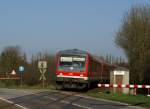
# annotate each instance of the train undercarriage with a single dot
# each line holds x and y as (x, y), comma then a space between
(71, 83)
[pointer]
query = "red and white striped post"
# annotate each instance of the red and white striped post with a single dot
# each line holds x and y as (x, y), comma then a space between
(135, 87)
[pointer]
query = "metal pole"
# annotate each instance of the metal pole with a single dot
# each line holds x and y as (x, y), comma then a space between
(135, 93)
(21, 79)
(101, 73)
(43, 79)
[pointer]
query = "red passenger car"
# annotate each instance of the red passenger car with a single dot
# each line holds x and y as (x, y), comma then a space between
(79, 69)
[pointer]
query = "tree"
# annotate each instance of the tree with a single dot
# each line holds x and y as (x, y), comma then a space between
(10, 59)
(134, 38)
(33, 75)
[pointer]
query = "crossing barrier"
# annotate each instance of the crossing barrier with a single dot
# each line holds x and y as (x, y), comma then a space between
(132, 86)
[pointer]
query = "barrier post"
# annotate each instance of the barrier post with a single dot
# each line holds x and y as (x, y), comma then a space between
(148, 92)
(134, 92)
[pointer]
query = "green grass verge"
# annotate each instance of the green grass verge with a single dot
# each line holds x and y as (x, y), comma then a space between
(39, 87)
(138, 100)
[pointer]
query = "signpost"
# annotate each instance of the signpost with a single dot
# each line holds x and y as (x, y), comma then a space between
(42, 65)
(21, 69)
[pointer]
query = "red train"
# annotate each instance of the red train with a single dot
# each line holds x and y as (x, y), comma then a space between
(79, 69)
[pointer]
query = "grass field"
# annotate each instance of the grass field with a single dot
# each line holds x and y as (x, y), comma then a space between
(138, 100)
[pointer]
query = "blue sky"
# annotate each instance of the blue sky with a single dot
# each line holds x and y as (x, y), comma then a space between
(46, 25)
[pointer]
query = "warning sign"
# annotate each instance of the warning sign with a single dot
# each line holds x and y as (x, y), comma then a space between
(42, 64)
(13, 72)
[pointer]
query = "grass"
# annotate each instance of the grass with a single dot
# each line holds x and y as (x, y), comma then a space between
(138, 100)
(39, 87)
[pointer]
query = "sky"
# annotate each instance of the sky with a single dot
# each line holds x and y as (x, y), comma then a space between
(53, 25)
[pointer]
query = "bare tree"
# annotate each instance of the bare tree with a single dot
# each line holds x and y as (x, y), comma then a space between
(10, 59)
(134, 38)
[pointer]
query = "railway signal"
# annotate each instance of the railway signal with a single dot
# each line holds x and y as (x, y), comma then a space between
(42, 65)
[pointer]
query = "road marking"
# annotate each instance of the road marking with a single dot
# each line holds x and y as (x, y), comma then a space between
(13, 103)
(63, 101)
(74, 104)
(105, 100)
(81, 106)
(54, 99)
(100, 99)
(133, 107)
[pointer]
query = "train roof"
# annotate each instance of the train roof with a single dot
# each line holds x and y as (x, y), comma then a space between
(73, 51)
(121, 69)
(83, 53)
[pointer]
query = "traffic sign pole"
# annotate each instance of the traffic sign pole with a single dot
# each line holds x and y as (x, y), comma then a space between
(42, 77)
(21, 79)
(21, 69)
(43, 80)
(42, 65)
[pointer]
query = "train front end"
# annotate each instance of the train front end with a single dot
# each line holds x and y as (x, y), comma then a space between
(72, 68)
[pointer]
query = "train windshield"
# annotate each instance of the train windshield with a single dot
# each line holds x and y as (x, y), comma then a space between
(72, 63)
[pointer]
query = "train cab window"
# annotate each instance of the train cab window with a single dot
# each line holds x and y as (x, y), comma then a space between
(65, 61)
(72, 63)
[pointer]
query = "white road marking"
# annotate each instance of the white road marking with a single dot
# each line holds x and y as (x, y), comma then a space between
(63, 101)
(133, 107)
(81, 106)
(105, 100)
(13, 103)
(54, 99)
(74, 104)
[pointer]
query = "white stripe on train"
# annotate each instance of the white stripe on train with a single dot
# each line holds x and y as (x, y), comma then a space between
(80, 77)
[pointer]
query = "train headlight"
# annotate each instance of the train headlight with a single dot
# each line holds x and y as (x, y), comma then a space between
(85, 78)
(81, 75)
(59, 75)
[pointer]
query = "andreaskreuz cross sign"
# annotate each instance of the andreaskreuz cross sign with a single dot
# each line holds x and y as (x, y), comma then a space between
(42, 65)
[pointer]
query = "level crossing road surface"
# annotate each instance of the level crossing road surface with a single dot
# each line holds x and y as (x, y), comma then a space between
(35, 99)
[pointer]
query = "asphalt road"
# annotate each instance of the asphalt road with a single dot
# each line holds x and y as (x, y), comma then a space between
(7, 105)
(57, 100)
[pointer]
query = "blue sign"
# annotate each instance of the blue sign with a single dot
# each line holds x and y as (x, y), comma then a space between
(21, 68)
